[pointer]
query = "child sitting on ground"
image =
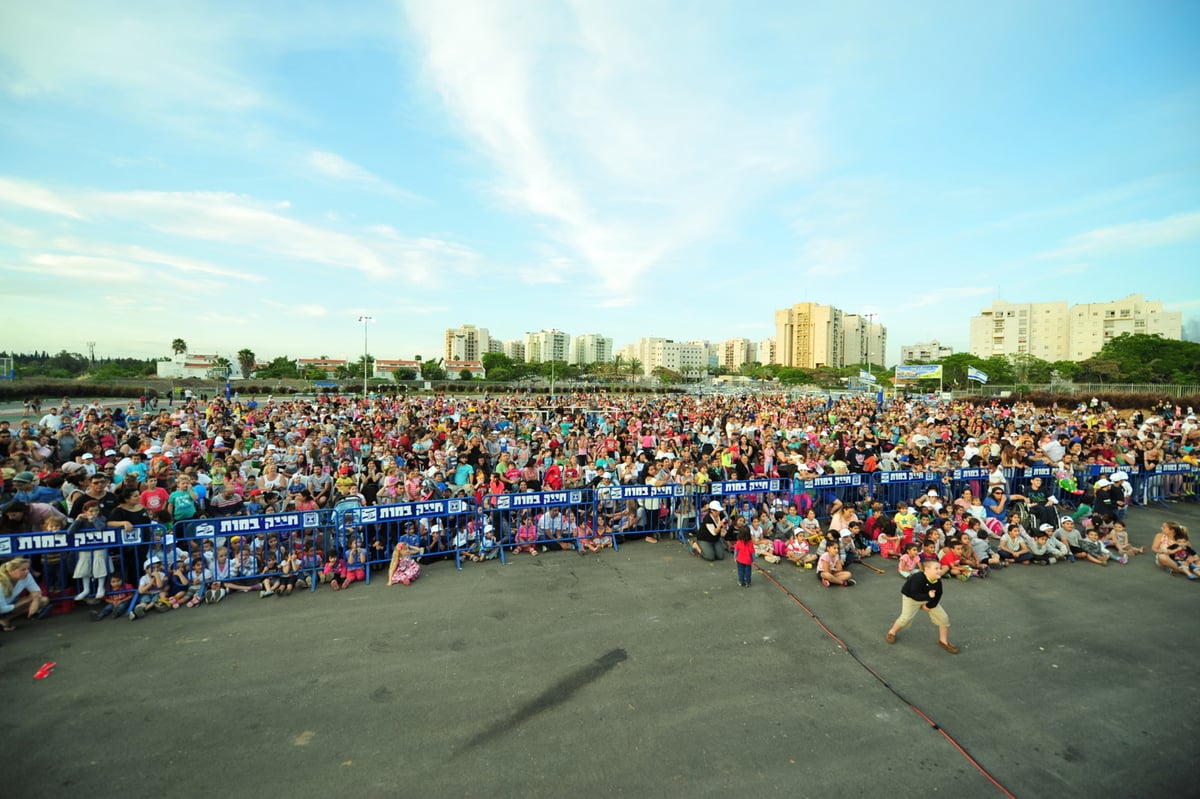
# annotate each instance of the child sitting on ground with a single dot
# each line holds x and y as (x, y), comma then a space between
(1094, 551)
(952, 563)
(1118, 539)
(526, 537)
(334, 572)
(151, 594)
(403, 568)
(356, 563)
(271, 583)
(811, 527)
(910, 560)
(1039, 547)
(116, 599)
(799, 552)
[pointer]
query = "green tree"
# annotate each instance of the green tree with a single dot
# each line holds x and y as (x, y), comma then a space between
(281, 368)
(221, 366)
(246, 361)
(466, 374)
(496, 360)
(400, 375)
(635, 367)
(432, 370)
(179, 346)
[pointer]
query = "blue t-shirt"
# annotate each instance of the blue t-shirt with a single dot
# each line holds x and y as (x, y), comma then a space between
(26, 583)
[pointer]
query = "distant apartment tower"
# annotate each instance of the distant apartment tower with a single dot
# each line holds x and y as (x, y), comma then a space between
(766, 351)
(688, 358)
(711, 353)
(863, 340)
(547, 345)
(924, 351)
(467, 343)
(591, 348)
(1095, 324)
(1041, 329)
(808, 335)
(736, 351)
(515, 350)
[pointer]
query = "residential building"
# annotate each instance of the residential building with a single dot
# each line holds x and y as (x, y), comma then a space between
(710, 354)
(863, 340)
(924, 351)
(1094, 325)
(591, 348)
(547, 345)
(454, 369)
(327, 365)
(808, 335)
(467, 343)
(1041, 329)
(385, 368)
(735, 352)
(193, 365)
(689, 360)
(766, 351)
(515, 350)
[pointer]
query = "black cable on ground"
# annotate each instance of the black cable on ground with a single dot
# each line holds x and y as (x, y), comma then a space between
(883, 681)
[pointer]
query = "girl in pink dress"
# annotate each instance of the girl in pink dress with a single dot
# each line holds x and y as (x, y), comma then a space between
(403, 568)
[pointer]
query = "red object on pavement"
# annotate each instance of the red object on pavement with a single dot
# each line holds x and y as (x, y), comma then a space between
(44, 671)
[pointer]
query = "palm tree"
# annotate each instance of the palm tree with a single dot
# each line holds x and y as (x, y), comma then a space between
(179, 346)
(635, 367)
(246, 361)
(617, 362)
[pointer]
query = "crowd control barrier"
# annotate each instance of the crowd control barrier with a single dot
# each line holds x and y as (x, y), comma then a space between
(460, 528)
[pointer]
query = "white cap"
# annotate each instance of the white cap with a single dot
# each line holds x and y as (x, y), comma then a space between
(1102, 483)
(1119, 476)
(108, 452)
(714, 505)
(87, 455)
(932, 494)
(1046, 527)
(845, 534)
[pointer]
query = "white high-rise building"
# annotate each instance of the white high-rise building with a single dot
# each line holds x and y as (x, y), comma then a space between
(924, 351)
(591, 348)
(466, 343)
(1041, 329)
(1094, 325)
(863, 340)
(547, 345)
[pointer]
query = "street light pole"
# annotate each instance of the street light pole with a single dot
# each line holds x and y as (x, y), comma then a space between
(365, 320)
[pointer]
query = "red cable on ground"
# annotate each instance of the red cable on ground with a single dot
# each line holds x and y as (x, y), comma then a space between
(961, 749)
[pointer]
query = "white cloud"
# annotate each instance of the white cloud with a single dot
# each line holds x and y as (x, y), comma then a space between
(334, 166)
(1141, 235)
(27, 194)
(610, 123)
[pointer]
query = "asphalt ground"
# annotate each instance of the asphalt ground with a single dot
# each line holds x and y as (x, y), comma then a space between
(643, 672)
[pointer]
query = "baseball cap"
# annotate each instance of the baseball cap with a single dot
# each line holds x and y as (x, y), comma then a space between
(714, 505)
(23, 477)
(1046, 527)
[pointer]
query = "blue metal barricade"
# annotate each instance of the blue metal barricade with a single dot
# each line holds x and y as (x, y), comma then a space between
(528, 521)
(437, 527)
(892, 488)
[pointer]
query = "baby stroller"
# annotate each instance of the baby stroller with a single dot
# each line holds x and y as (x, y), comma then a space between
(345, 522)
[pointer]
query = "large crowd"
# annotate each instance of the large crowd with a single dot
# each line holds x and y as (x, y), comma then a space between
(149, 467)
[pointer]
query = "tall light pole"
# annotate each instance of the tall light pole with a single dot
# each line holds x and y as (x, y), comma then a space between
(365, 320)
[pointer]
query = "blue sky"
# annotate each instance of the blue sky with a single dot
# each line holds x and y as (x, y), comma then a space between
(261, 174)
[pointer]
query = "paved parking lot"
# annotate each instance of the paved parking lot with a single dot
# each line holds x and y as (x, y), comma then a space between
(641, 672)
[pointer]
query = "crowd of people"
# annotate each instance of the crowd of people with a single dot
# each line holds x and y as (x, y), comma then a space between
(90, 469)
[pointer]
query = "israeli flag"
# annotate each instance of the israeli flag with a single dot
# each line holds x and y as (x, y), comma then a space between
(866, 376)
(976, 374)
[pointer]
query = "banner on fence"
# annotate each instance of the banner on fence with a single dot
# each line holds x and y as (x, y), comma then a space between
(64, 541)
(746, 486)
(918, 372)
(236, 525)
(412, 510)
(544, 499)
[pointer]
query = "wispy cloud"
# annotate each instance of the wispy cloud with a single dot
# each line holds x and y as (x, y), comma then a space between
(625, 170)
(829, 257)
(335, 167)
(239, 221)
(27, 194)
(1139, 235)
